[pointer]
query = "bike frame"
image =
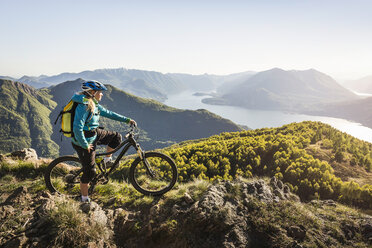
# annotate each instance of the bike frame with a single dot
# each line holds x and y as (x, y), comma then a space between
(130, 141)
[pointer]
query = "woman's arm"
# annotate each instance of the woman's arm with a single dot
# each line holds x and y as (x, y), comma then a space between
(112, 115)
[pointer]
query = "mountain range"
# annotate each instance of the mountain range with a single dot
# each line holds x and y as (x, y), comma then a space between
(27, 114)
(308, 92)
(363, 85)
(277, 89)
(148, 84)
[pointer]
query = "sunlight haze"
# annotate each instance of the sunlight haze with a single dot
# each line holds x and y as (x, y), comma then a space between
(196, 37)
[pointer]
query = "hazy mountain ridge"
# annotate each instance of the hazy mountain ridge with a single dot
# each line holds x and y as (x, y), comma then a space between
(156, 86)
(277, 89)
(363, 85)
(209, 82)
(27, 118)
(149, 84)
(357, 110)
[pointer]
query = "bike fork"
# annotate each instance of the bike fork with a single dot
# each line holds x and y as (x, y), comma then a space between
(141, 154)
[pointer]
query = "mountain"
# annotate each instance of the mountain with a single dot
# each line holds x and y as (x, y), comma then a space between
(363, 85)
(142, 83)
(278, 89)
(36, 82)
(357, 110)
(208, 82)
(7, 78)
(27, 118)
(194, 82)
(24, 118)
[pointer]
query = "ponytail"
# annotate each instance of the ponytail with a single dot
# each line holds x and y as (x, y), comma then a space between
(89, 97)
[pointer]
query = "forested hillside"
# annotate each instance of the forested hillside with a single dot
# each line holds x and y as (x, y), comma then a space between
(314, 159)
(27, 118)
(24, 119)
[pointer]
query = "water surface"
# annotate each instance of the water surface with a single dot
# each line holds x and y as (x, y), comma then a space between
(263, 118)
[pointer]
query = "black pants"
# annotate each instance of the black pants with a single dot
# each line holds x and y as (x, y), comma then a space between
(112, 139)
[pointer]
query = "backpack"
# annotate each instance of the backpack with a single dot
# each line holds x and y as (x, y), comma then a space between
(67, 119)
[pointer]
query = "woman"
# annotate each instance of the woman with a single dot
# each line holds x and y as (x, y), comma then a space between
(87, 134)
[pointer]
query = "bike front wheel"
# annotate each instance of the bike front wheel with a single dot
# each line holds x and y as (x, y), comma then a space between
(154, 175)
(63, 175)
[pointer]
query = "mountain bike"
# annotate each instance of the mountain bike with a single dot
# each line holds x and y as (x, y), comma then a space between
(151, 173)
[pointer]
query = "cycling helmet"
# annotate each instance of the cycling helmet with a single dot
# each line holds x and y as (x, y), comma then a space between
(92, 85)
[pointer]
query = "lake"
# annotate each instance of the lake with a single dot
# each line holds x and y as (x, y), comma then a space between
(262, 118)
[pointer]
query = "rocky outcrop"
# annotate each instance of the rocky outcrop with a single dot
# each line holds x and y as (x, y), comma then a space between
(226, 214)
(218, 219)
(24, 154)
(39, 230)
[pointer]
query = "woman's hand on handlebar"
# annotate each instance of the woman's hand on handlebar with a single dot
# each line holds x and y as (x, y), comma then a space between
(133, 123)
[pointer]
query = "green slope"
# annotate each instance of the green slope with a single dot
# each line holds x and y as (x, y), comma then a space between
(24, 119)
(315, 159)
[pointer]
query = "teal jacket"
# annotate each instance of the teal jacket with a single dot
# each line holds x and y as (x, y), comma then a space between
(85, 120)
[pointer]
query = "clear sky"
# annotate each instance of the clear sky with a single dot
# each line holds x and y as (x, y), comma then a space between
(215, 37)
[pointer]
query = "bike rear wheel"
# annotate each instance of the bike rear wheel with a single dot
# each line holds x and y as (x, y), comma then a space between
(161, 181)
(63, 175)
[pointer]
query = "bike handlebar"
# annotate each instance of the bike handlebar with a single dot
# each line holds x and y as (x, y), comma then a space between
(132, 129)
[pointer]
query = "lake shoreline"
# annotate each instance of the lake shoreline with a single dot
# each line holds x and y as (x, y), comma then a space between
(256, 119)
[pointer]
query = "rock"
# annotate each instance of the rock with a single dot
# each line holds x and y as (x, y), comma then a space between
(119, 211)
(175, 209)
(188, 199)
(111, 201)
(273, 181)
(213, 199)
(97, 214)
(25, 154)
(297, 232)
(279, 193)
(295, 244)
(367, 230)
(330, 203)
(85, 207)
(279, 184)
(286, 189)
(93, 244)
(349, 230)
(251, 188)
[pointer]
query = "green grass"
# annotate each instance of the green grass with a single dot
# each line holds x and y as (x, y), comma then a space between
(195, 189)
(22, 169)
(74, 228)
